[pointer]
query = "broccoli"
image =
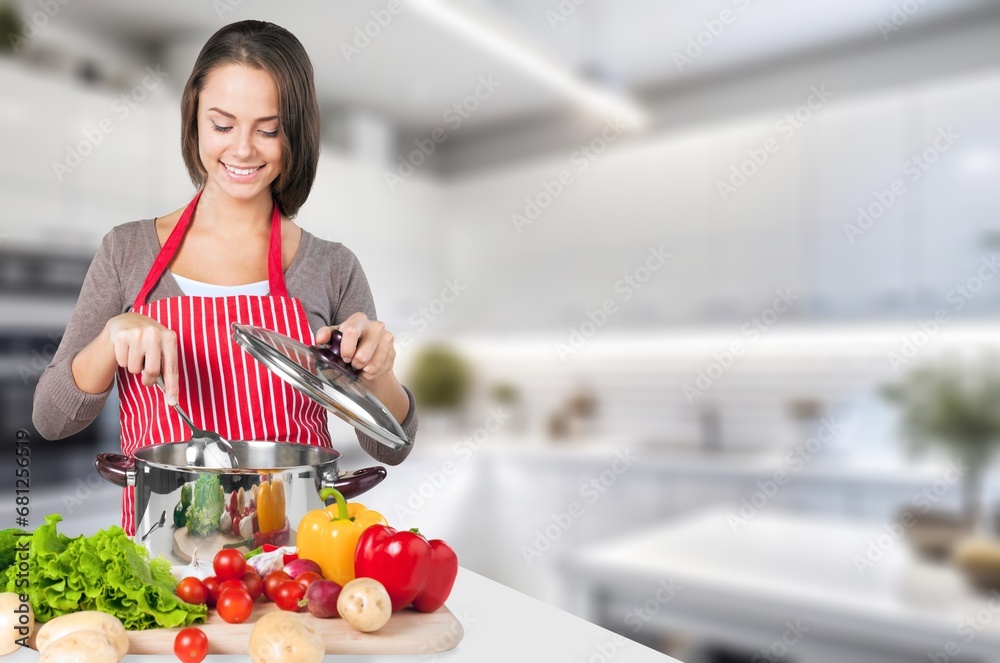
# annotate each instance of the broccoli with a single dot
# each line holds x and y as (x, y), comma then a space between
(206, 507)
(8, 545)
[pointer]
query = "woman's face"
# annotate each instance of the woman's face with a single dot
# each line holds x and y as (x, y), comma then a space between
(239, 138)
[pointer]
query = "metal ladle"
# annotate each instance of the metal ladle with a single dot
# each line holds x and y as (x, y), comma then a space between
(204, 445)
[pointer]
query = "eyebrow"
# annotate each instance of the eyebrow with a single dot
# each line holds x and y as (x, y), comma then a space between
(233, 117)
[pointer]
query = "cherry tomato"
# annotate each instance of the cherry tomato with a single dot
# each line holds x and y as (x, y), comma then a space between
(307, 578)
(191, 590)
(191, 645)
(271, 582)
(253, 584)
(229, 564)
(288, 595)
(235, 605)
(232, 583)
(211, 584)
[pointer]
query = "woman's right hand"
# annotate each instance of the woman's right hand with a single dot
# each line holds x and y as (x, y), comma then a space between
(144, 346)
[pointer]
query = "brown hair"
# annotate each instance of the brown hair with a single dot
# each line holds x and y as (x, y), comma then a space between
(273, 49)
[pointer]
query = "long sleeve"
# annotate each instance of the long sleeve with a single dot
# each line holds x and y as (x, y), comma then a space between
(60, 408)
(356, 296)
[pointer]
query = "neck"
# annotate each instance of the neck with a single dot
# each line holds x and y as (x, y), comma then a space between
(216, 210)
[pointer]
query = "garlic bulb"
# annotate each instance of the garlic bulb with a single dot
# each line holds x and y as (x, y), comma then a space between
(199, 569)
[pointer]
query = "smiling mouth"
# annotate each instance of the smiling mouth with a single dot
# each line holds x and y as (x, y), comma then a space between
(241, 171)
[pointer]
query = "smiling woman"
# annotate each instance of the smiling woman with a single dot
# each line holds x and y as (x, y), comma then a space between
(250, 141)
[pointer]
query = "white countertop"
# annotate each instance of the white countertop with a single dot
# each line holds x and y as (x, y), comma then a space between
(500, 625)
(780, 566)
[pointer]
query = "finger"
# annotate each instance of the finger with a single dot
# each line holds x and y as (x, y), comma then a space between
(169, 369)
(151, 365)
(324, 335)
(369, 344)
(121, 353)
(135, 357)
(381, 361)
(352, 329)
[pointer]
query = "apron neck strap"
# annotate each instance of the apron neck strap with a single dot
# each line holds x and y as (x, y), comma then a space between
(275, 274)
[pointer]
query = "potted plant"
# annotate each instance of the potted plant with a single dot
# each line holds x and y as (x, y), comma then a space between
(440, 380)
(954, 403)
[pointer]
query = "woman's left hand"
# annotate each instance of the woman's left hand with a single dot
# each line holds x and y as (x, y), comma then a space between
(366, 346)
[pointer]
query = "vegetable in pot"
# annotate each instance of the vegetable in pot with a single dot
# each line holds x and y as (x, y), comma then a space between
(271, 505)
(206, 506)
(284, 637)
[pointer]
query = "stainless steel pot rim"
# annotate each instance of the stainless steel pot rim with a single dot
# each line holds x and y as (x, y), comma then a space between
(255, 457)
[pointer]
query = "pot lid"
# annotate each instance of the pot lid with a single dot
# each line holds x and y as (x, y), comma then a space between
(319, 373)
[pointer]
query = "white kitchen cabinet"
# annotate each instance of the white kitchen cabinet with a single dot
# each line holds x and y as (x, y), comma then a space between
(860, 153)
(960, 211)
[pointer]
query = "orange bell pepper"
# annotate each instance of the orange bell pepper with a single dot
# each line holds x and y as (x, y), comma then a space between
(270, 505)
(329, 536)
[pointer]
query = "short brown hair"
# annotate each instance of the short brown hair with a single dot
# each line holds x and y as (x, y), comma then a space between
(273, 49)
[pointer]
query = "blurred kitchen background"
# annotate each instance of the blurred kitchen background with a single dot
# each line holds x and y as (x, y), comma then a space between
(652, 267)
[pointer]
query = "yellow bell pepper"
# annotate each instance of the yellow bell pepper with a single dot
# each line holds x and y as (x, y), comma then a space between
(271, 505)
(330, 536)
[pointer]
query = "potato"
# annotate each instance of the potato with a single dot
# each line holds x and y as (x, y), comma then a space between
(16, 619)
(84, 646)
(364, 604)
(285, 637)
(87, 620)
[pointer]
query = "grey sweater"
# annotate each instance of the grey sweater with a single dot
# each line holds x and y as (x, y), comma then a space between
(325, 276)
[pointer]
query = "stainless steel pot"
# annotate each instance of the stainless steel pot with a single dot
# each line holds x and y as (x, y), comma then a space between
(158, 474)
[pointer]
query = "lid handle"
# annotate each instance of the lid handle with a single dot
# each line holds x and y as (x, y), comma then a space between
(328, 355)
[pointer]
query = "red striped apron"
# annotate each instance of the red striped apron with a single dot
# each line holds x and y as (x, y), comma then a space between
(222, 388)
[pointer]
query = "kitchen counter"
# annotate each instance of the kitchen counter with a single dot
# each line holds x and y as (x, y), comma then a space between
(851, 591)
(500, 625)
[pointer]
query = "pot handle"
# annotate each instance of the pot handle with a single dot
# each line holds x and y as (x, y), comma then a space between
(116, 468)
(352, 484)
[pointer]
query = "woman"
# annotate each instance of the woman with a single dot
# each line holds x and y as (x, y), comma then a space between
(160, 295)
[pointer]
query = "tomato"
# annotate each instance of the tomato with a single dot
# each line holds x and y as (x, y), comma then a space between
(235, 605)
(211, 584)
(229, 564)
(253, 584)
(271, 582)
(288, 595)
(307, 578)
(192, 590)
(191, 645)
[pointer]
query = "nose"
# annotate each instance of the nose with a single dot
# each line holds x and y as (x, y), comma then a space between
(243, 145)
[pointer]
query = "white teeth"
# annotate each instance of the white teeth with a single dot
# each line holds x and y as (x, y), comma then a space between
(242, 171)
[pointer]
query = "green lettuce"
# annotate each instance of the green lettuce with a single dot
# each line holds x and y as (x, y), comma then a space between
(106, 572)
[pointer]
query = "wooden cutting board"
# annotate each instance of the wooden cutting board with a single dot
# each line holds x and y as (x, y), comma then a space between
(408, 632)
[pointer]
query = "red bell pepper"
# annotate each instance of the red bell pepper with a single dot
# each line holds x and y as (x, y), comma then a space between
(401, 561)
(411, 568)
(444, 570)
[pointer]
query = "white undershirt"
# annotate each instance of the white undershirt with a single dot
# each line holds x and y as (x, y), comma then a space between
(193, 288)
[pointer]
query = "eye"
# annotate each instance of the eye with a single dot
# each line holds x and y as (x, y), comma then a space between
(220, 129)
(270, 134)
